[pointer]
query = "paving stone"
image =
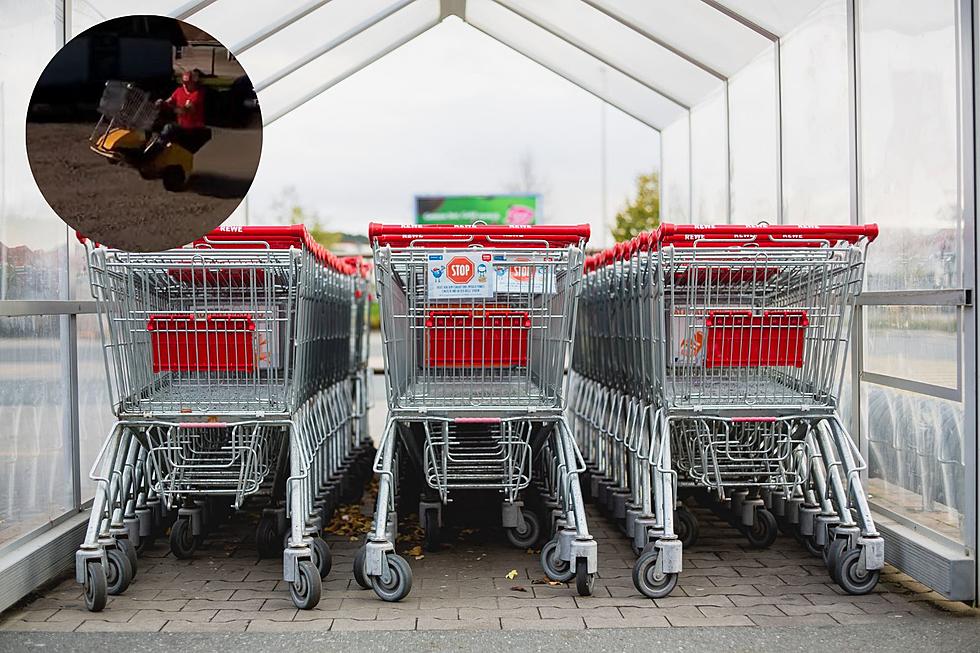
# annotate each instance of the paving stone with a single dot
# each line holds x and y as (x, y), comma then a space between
(407, 623)
(249, 615)
(201, 616)
(250, 604)
(430, 623)
(28, 614)
(646, 621)
(854, 619)
(125, 602)
(567, 623)
(681, 601)
(265, 626)
(139, 626)
(79, 616)
(570, 613)
(39, 626)
(843, 607)
(710, 590)
(781, 599)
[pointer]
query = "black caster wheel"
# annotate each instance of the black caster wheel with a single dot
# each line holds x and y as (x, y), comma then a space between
(851, 577)
(183, 544)
(396, 583)
(832, 554)
(322, 557)
(648, 581)
(430, 523)
(762, 533)
(118, 571)
(359, 577)
(268, 543)
(686, 527)
(96, 587)
(808, 543)
(554, 567)
(305, 590)
(584, 581)
(526, 536)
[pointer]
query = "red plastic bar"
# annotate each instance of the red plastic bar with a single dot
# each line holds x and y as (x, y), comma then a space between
(489, 235)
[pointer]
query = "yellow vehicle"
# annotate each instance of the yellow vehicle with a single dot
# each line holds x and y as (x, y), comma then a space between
(127, 132)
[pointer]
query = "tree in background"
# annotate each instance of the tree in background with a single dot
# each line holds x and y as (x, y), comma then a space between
(641, 213)
(289, 210)
(528, 180)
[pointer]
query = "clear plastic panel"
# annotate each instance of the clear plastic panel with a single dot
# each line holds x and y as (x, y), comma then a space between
(694, 28)
(305, 38)
(339, 62)
(33, 254)
(910, 173)
(573, 64)
(621, 47)
(675, 186)
(35, 469)
(777, 16)
(913, 342)
(916, 457)
(816, 140)
(92, 12)
(709, 161)
(94, 404)
(754, 142)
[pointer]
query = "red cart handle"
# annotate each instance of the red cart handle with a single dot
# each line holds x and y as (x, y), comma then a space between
(764, 235)
(433, 235)
(276, 237)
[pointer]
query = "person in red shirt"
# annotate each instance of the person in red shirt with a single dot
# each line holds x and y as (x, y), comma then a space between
(187, 102)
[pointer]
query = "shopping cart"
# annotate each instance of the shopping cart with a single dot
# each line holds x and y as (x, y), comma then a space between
(231, 376)
(476, 325)
(709, 361)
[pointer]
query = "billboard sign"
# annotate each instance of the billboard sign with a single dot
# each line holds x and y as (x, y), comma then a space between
(467, 209)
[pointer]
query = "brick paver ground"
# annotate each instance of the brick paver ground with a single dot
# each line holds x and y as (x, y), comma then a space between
(465, 586)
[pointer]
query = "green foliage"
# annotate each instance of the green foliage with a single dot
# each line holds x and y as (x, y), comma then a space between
(642, 213)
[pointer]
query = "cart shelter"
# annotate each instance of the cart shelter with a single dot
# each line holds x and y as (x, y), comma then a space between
(801, 111)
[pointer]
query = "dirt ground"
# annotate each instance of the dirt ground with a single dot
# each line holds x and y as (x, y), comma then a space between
(114, 205)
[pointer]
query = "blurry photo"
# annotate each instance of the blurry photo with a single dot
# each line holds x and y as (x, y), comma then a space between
(144, 133)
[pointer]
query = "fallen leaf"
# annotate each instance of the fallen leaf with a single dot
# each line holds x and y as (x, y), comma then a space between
(415, 551)
(518, 588)
(512, 574)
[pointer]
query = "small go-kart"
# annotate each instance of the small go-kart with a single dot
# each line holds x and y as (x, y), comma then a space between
(129, 132)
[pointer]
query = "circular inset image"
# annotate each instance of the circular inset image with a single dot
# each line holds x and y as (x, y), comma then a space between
(144, 133)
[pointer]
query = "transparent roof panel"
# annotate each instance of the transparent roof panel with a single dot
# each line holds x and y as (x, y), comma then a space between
(619, 47)
(777, 16)
(343, 60)
(578, 67)
(692, 27)
(85, 14)
(302, 42)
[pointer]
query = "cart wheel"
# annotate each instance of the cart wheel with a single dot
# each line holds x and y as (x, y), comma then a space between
(650, 582)
(686, 527)
(359, 576)
(267, 540)
(126, 545)
(96, 590)
(118, 572)
(808, 543)
(146, 541)
(174, 178)
(851, 578)
(832, 554)
(762, 533)
(526, 536)
(554, 567)
(584, 581)
(322, 557)
(305, 590)
(182, 540)
(397, 582)
(430, 522)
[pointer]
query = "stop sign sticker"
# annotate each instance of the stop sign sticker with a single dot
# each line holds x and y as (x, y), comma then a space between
(460, 270)
(460, 276)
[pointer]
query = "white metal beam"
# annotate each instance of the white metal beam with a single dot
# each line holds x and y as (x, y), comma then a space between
(739, 18)
(333, 81)
(185, 11)
(588, 89)
(331, 44)
(616, 16)
(278, 26)
(576, 43)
